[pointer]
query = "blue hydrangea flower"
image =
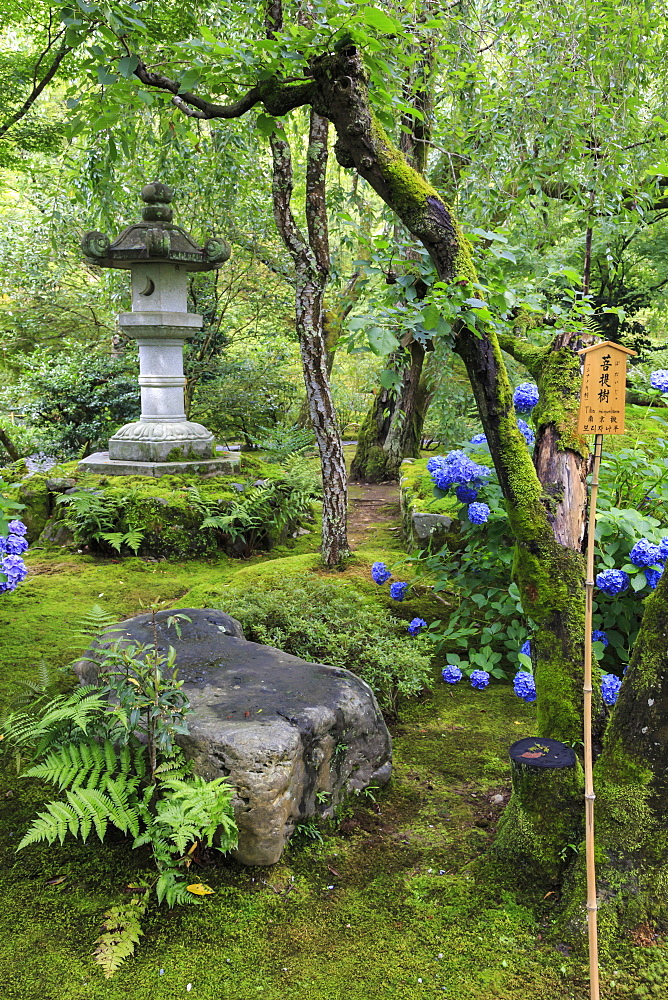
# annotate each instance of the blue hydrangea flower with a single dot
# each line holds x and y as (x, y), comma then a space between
(380, 573)
(466, 494)
(479, 439)
(17, 528)
(15, 545)
(610, 685)
(645, 553)
(478, 513)
(599, 636)
(398, 591)
(663, 550)
(612, 581)
(653, 576)
(525, 397)
(524, 686)
(527, 433)
(479, 679)
(456, 467)
(14, 569)
(659, 379)
(415, 625)
(451, 674)
(526, 647)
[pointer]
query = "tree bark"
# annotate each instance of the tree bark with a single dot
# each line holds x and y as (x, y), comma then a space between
(9, 446)
(311, 261)
(392, 429)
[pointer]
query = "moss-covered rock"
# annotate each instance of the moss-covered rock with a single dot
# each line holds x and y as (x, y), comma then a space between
(177, 516)
(37, 499)
(417, 497)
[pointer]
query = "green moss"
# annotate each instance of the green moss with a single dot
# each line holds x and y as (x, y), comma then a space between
(409, 192)
(38, 504)
(559, 379)
(544, 816)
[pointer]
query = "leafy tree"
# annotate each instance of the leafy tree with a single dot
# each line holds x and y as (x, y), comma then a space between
(321, 65)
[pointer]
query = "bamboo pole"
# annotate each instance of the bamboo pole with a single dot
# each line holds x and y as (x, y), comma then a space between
(592, 905)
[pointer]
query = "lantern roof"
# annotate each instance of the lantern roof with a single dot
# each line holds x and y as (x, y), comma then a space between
(155, 240)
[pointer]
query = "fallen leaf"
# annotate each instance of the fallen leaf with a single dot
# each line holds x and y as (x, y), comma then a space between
(548, 894)
(194, 847)
(199, 889)
(333, 871)
(57, 880)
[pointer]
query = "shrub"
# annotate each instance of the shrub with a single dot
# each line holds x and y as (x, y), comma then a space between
(328, 622)
(76, 401)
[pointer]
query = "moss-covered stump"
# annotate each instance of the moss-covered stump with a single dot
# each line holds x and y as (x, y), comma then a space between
(545, 810)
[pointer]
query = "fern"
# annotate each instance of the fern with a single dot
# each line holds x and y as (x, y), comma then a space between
(95, 622)
(195, 810)
(117, 539)
(122, 930)
(90, 751)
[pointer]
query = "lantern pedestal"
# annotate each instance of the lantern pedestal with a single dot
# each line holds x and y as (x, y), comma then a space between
(100, 464)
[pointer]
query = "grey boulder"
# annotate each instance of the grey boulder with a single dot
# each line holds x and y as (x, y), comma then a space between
(293, 737)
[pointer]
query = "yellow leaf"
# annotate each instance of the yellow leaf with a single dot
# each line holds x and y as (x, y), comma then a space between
(194, 847)
(199, 889)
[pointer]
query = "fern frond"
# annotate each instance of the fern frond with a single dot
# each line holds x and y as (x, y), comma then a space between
(95, 622)
(194, 809)
(52, 825)
(122, 930)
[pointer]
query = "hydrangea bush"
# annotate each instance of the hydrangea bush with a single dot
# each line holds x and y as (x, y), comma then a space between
(487, 631)
(13, 545)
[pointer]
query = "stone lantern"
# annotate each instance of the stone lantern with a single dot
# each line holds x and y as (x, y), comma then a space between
(159, 256)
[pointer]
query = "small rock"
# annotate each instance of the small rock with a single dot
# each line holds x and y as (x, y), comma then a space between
(60, 485)
(497, 799)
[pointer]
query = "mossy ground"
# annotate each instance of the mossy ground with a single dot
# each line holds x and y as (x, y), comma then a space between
(391, 904)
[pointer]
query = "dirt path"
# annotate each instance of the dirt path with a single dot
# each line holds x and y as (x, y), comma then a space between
(371, 504)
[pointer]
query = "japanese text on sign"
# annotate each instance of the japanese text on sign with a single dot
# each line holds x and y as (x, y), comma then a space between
(603, 394)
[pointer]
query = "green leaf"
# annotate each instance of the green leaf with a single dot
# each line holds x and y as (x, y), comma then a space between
(661, 169)
(105, 77)
(127, 65)
(375, 18)
(382, 341)
(389, 379)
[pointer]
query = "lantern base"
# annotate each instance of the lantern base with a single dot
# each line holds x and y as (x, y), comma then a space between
(162, 440)
(100, 464)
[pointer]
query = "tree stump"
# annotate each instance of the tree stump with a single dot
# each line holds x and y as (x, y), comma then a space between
(545, 814)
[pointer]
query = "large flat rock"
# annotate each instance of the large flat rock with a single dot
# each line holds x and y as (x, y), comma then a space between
(293, 737)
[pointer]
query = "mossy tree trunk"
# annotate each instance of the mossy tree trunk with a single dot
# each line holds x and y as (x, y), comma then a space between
(392, 428)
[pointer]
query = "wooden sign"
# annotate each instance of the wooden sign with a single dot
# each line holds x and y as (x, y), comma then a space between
(603, 393)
